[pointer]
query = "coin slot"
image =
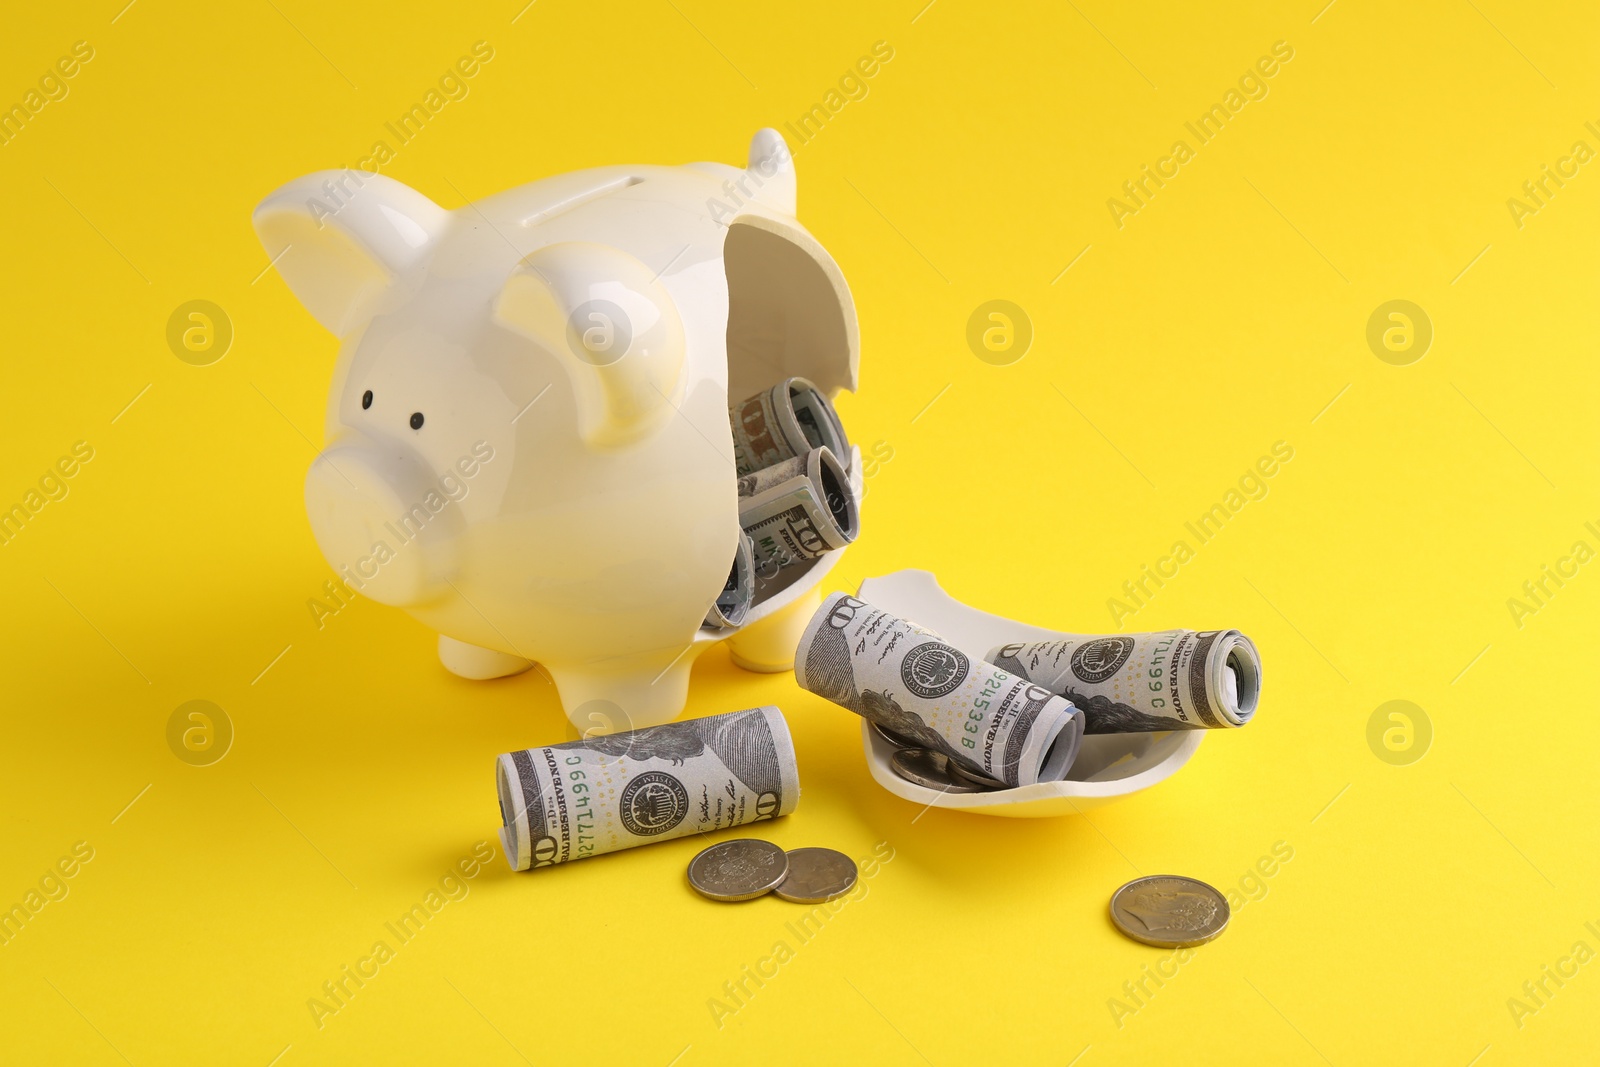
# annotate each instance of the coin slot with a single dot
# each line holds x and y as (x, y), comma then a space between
(561, 207)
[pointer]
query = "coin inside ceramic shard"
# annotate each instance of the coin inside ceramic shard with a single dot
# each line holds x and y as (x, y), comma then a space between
(1169, 911)
(929, 769)
(966, 774)
(817, 875)
(893, 738)
(738, 870)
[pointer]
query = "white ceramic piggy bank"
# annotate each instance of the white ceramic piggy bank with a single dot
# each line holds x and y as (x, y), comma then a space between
(528, 438)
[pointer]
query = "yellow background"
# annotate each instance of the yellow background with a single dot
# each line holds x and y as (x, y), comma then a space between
(1223, 317)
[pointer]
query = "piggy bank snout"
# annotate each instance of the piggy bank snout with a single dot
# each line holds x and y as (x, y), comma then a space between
(380, 519)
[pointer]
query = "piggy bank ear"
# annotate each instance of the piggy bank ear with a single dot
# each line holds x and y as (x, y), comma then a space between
(340, 238)
(614, 329)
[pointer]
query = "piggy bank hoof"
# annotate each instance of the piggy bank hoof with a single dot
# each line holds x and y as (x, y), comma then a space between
(476, 663)
(768, 646)
(626, 692)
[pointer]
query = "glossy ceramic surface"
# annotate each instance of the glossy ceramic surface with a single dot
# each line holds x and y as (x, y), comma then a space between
(527, 425)
(1108, 765)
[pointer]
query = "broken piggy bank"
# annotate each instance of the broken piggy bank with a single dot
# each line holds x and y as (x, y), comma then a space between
(528, 434)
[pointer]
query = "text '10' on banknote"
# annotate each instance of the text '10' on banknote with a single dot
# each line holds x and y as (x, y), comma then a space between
(599, 794)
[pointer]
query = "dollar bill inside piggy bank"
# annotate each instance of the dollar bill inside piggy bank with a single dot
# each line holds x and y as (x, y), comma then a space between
(528, 441)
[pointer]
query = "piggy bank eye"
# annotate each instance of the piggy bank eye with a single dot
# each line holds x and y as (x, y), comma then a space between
(366, 400)
(416, 420)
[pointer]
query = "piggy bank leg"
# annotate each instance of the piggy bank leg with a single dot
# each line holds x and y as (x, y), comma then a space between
(477, 663)
(626, 693)
(768, 646)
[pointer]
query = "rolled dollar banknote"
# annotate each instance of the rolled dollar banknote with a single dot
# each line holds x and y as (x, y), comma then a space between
(798, 509)
(790, 419)
(1133, 683)
(600, 794)
(916, 686)
(733, 603)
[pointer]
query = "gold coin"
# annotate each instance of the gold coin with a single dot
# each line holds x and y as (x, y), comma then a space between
(1169, 911)
(929, 769)
(817, 875)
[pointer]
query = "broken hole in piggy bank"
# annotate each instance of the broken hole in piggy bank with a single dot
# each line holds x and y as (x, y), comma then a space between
(528, 437)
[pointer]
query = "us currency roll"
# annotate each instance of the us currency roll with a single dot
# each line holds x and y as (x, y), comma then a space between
(790, 419)
(1133, 683)
(913, 684)
(798, 509)
(600, 794)
(733, 603)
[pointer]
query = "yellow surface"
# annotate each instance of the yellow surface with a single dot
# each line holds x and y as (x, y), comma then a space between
(1228, 313)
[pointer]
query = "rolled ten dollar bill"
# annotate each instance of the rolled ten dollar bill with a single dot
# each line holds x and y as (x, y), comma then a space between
(1136, 683)
(915, 685)
(798, 510)
(787, 420)
(601, 794)
(733, 603)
